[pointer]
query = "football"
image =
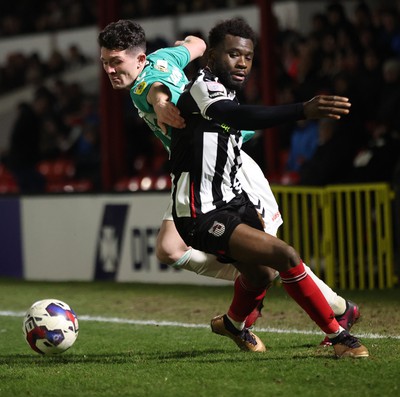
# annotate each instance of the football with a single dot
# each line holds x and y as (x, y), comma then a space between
(50, 326)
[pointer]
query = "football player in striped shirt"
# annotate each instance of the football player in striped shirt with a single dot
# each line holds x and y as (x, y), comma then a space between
(155, 83)
(212, 211)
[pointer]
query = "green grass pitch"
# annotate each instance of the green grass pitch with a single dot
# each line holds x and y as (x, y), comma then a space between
(154, 340)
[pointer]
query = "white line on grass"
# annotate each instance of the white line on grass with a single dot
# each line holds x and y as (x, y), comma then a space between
(8, 313)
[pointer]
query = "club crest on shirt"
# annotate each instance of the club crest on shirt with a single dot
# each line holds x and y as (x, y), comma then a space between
(140, 88)
(214, 86)
(215, 89)
(161, 65)
(217, 229)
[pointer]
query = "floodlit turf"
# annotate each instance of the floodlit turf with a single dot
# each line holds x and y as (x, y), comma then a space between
(126, 359)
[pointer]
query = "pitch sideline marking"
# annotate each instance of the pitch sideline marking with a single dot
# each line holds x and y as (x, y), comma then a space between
(8, 313)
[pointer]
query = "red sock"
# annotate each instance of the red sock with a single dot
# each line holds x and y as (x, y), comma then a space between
(301, 287)
(245, 299)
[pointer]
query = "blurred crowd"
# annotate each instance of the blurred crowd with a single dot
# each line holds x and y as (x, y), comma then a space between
(59, 126)
(20, 70)
(26, 16)
(355, 55)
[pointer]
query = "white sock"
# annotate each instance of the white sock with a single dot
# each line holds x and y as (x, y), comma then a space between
(183, 260)
(206, 265)
(336, 302)
(331, 336)
(237, 324)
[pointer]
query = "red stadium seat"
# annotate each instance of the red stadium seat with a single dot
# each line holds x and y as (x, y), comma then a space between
(163, 182)
(59, 174)
(57, 170)
(71, 186)
(8, 183)
(127, 184)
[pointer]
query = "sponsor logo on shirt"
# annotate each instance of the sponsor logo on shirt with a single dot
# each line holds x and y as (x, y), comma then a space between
(217, 229)
(215, 94)
(140, 88)
(225, 127)
(161, 65)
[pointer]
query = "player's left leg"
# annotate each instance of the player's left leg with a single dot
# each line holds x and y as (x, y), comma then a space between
(172, 250)
(252, 247)
(259, 191)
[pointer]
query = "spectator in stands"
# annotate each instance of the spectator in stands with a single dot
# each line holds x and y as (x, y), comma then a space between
(75, 59)
(24, 149)
(337, 18)
(369, 82)
(388, 102)
(35, 70)
(303, 145)
(56, 63)
(331, 160)
(85, 148)
(362, 17)
(389, 32)
(377, 161)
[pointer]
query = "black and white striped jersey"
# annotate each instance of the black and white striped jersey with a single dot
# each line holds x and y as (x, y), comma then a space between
(205, 155)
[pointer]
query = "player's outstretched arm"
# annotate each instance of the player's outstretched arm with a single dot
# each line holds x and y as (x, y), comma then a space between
(326, 106)
(195, 45)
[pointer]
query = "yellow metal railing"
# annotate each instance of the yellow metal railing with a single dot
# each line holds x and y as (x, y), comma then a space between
(343, 232)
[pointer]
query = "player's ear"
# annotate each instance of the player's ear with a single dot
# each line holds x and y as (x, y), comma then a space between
(211, 56)
(141, 58)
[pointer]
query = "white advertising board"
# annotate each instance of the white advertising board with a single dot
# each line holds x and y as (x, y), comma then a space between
(83, 238)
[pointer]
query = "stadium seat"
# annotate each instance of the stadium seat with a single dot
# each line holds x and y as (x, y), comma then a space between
(59, 174)
(8, 183)
(145, 183)
(163, 182)
(71, 186)
(127, 184)
(57, 170)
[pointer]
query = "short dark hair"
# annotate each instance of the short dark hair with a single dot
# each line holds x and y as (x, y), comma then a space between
(235, 27)
(122, 35)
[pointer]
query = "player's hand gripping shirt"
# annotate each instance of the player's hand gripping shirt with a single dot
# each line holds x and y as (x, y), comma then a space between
(205, 154)
(165, 66)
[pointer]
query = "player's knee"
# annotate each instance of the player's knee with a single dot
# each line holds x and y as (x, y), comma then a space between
(168, 253)
(266, 278)
(285, 257)
(164, 256)
(261, 278)
(293, 258)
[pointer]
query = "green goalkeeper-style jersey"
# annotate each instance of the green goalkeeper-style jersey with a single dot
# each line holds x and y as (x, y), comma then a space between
(165, 66)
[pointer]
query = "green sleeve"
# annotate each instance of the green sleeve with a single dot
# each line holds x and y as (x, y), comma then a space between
(164, 66)
(247, 135)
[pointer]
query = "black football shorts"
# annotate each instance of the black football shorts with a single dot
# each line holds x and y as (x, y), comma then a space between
(211, 232)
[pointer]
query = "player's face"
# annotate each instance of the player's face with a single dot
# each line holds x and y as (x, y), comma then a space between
(232, 62)
(122, 66)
